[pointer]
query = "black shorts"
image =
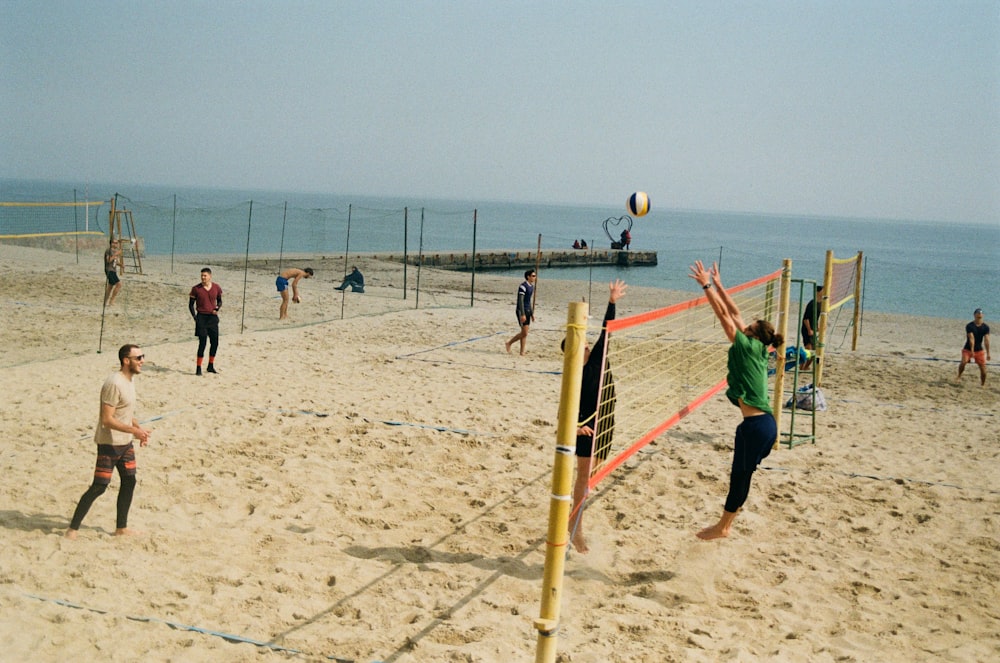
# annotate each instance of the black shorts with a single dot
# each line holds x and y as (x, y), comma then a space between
(113, 277)
(206, 324)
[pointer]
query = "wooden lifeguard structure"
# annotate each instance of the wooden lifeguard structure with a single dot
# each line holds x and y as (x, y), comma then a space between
(121, 227)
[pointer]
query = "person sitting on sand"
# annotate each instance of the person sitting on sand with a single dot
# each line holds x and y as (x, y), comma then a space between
(355, 279)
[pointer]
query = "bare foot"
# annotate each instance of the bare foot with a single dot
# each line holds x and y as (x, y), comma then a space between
(71, 534)
(714, 532)
(507, 345)
(580, 543)
(125, 531)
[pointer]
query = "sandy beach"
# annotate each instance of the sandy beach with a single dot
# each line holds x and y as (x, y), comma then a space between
(369, 481)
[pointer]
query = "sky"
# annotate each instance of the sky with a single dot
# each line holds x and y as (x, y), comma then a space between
(865, 109)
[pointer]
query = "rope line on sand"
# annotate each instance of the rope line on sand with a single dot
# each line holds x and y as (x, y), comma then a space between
(388, 422)
(228, 637)
(878, 477)
(491, 368)
(449, 345)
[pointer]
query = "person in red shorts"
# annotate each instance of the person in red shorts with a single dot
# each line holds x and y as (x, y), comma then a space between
(977, 346)
(116, 428)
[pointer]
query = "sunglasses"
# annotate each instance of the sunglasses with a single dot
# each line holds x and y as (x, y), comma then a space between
(138, 358)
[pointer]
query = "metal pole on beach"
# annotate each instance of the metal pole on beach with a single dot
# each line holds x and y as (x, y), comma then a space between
(472, 292)
(246, 267)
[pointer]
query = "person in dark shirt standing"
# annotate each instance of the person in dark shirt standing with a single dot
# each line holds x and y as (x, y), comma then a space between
(809, 322)
(977, 345)
(204, 305)
(525, 309)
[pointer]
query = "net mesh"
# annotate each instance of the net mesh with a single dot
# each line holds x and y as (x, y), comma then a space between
(845, 272)
(24, 219)
(661, 365)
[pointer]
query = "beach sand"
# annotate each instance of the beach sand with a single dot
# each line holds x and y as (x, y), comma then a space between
(371, 483)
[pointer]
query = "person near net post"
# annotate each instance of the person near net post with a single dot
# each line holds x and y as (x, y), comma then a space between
(111, 257)
(808, 329)
(747, 378)
(282, 283)
(524, 311)
(977, 346)
(596, 425)
(355, 279)
(116, 428)
(204, 304)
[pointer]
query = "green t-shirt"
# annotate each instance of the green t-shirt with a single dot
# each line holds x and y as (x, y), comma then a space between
(748, 373)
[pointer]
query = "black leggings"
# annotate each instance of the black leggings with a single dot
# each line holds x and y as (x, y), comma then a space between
(207, 329)
(95, 491)
(754, 437)
(739, 489)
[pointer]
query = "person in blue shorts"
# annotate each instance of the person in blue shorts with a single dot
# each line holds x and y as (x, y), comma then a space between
(747, 378)
(281, 283)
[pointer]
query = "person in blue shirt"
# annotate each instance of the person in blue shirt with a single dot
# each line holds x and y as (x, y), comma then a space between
(747, 378)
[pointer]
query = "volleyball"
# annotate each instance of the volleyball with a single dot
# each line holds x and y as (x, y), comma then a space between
(638, 203)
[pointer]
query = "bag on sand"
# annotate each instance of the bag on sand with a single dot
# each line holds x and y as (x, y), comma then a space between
(808, 399)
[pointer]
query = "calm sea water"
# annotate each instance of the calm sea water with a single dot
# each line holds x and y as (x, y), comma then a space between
(931, 269)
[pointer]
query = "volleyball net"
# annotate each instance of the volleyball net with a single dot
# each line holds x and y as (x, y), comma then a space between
(658, 367)
(37, 219)
(662, 365)
(842, 278)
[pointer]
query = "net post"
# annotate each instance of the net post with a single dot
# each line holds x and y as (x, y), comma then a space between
(824, 310)
(779, 376)
(857, 303)
(561, 498)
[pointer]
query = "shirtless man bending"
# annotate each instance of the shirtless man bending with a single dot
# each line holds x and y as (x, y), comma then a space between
(293, 274)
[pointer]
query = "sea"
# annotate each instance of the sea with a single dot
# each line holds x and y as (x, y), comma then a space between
(938, 269)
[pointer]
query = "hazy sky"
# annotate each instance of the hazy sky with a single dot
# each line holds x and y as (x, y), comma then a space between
(845, 108)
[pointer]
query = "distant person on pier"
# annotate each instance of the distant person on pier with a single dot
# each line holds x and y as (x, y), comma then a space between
(583, 243)
(576, 244)
(626, 239)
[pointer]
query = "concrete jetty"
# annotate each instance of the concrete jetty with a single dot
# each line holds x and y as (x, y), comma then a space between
(525, 259)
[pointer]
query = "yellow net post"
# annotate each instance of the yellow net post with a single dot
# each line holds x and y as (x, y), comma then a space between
(779, 376)
(561, 500)
(824, 309)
